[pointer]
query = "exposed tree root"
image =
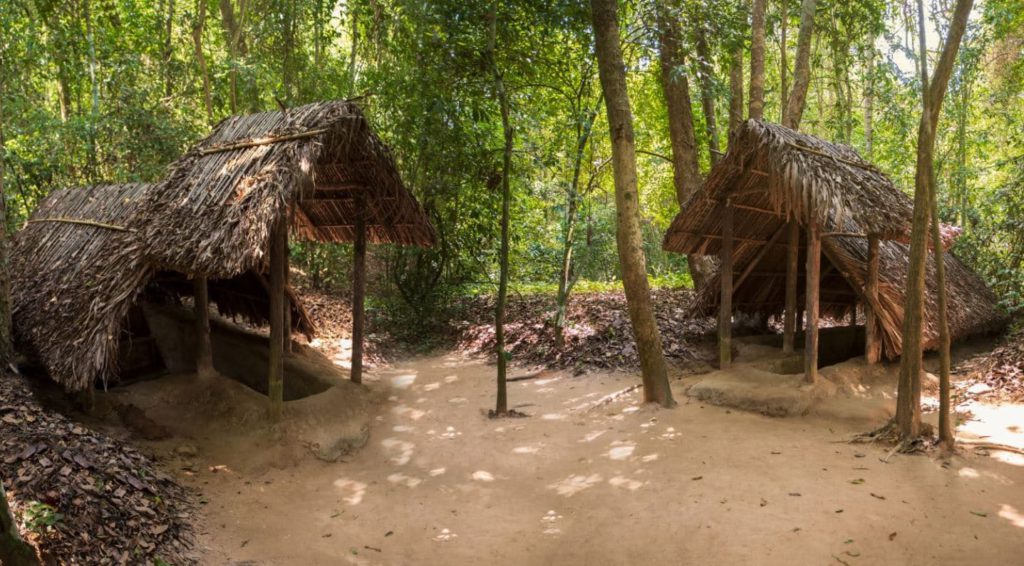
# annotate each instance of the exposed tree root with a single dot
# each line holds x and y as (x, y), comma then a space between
(611, 397)
(990, 446)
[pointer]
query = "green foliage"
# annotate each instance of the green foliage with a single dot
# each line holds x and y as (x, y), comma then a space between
(106, 90)
(40, 517)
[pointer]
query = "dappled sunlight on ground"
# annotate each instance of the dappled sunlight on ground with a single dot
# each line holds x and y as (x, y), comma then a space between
(1010, 513)
(592, 480)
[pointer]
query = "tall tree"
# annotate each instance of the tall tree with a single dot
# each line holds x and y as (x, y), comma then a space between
(735, 91)
(676, 88)
(627, 202)
(501, 94)
(908, 405)
(757, 59)
(197, 44)
(707, 84)
(6, 340)
(802, 69)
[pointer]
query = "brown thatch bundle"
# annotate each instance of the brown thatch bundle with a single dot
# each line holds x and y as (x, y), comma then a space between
(80, 264)
(773, 174)
(76, 269)
(214, 212)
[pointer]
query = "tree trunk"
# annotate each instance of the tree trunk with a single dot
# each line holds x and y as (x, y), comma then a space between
(13, 550)
(802, 69)
(234, 42)
(6, 338)
(735, 93)
(204, 350)
(565, 278)
(707, 90)
(354, 16)
(757, 60)
(908, 405)
(869, 106)
(946, 437)
(676, 88)
(169, 50)
(501, 404)
(197, 42)
(783, 57)
(628, 236)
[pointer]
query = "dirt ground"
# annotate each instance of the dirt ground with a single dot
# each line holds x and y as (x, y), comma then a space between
(619, 483)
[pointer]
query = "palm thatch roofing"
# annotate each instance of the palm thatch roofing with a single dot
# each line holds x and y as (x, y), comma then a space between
(320, 163)
(773, 174)
(80, 264)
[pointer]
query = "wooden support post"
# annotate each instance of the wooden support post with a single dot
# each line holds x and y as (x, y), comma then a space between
(204, 350)
(278, 260)
(872, 334)
(358, 292)
(725, 301)
(792, 267)
(287, 303)
(813, 280)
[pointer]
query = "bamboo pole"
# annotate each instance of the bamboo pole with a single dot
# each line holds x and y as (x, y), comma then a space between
(725, 302)
(757, 258)
(811, 294)
(82, 222)
(792, 267)
(204, 349)
(358, 293)
(260, 141)
(275, 389)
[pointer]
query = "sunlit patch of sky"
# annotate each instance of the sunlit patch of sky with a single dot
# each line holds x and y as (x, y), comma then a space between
(893, 42)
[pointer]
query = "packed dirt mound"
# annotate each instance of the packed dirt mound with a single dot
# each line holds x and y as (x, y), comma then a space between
(598, 336)
(84, 497)
(998, 374)
(219, 421)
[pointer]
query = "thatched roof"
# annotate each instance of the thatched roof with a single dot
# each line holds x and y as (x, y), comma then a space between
(80, 264)
(769, 176)
(214, 212)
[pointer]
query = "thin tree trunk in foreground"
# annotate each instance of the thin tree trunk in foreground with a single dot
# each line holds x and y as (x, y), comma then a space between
(908, 402)
(204, 351)
(501, 404)
(802, 69)
(628, 237)
(757, 60)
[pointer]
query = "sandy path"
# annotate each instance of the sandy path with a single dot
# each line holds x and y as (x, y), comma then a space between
(441, 484)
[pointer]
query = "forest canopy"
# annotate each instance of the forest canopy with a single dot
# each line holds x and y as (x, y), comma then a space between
(103, 91)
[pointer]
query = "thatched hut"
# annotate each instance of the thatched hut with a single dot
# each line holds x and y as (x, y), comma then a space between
(317, 172)
(80, 267)
(781, 199)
